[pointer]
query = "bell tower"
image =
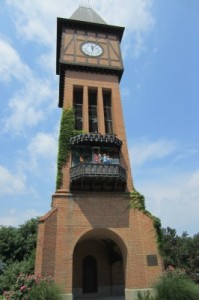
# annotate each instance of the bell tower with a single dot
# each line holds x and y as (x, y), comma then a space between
(91, 241)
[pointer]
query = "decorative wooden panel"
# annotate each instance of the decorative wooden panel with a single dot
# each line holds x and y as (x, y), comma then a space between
(71, 49)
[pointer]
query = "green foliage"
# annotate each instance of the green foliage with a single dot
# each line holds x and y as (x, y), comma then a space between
(193, 259)
(145, 296)
(33, 287)
(138, 202)
(9, 276)
(17, 252)
(158, 227)
(17, 244)
(8, 243)
(66, 132)
(181, 251)
(43, 291)
(174, 285)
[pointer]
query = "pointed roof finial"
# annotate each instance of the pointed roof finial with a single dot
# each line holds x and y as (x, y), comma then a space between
(85, 3)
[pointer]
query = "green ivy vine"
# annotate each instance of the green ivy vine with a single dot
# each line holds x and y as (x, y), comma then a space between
(138, 202)
(67, 130)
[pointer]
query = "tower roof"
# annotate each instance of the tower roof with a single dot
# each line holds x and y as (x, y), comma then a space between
(87, 14)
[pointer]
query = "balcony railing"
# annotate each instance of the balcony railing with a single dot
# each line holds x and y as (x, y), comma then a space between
(96, 138)
(98, 176)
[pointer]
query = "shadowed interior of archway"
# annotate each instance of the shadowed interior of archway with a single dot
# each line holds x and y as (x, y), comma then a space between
(98, 267)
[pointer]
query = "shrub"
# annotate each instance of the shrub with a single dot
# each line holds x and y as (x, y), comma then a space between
(12, 271)
(175, 285)
(145, 296)
(45, 291)
(33, 287)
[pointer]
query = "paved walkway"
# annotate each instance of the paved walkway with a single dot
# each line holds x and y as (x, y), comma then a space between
(103, 298)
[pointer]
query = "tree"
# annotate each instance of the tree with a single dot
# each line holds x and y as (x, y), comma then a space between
(17, 252)
(181, 251)
(7, 243)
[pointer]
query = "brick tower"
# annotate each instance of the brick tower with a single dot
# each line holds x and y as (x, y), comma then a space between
(91, 242)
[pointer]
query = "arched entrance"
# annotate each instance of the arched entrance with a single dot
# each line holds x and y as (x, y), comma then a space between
(98, 265)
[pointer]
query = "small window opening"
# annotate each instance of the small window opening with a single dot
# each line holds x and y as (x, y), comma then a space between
(107, 111)
(77, 104)
(92, 107)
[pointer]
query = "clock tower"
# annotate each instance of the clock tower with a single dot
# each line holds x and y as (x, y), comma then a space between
(97, 240)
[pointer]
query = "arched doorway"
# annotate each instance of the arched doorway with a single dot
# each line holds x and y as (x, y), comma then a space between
(98, 265)
(89, 274)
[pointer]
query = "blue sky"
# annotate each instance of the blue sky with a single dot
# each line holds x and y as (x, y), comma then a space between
(159, 92)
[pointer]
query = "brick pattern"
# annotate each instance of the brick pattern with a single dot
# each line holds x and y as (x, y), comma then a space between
(81, 224)
(46, 243)
(99, 81)
(87, 219)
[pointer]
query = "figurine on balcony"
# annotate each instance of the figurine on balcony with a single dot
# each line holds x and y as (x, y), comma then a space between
(104, 158)
(100, 158)
(81, 159)
(96, 158)
(109, 159)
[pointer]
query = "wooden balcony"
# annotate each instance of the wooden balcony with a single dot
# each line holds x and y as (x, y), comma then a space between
(98, 177)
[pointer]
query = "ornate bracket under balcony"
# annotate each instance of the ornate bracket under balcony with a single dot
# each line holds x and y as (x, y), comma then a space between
(98, 177)
(95, 138)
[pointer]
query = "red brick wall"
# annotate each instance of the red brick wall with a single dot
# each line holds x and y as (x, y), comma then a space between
(100, 81)
(87, 218)
(46, 244)
(92, 216)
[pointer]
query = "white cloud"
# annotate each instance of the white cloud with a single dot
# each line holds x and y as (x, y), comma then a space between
(193, 181)
(36, 21)
(11, 65)
(174, 199)
(142, 151)
(49, 57)
(11, 184)
(134, 14)
(15, 218)
(171, 188)
(26, 108)
(42, 147)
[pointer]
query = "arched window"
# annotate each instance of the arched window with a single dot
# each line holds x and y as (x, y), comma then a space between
(89, 274)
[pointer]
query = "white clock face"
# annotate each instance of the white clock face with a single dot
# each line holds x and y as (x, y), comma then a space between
(92, 49)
